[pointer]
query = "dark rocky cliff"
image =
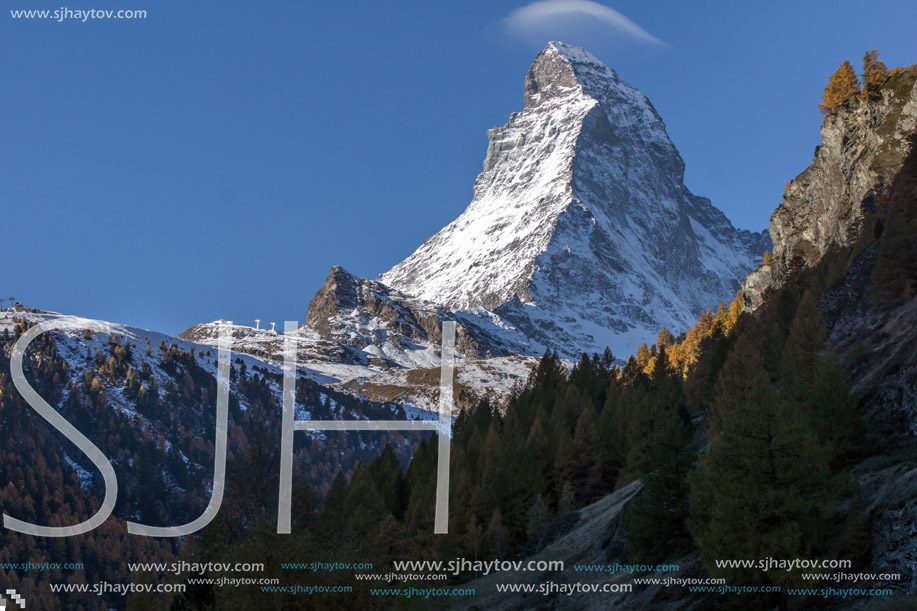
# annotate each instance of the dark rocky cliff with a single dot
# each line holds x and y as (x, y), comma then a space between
(848, 227)
(358, 312)
(864, 147)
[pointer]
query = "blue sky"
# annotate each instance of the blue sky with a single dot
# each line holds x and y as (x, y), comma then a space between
(215, 159)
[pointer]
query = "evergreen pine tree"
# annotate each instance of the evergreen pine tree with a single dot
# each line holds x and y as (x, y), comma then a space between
(538, 522)
(333, 510)
(806, 341)
(587, 465)
(364, 506)
(655, 524)
(742, 371)
(389, 481)
(834, 408)
(762, 490)
(563, 465)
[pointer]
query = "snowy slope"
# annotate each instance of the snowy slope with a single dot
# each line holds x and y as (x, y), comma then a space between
(372, 341)
(416, 390)
(581, 233)
(262, 350)
(357, 328)
(82, 342)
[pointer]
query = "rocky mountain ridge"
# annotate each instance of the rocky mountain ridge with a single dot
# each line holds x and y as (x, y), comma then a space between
(864, 146)
(849, 224)
(581, 232)
(373, 341)
(581, 235)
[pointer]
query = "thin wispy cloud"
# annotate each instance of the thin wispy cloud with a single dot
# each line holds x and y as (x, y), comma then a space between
(547, 17)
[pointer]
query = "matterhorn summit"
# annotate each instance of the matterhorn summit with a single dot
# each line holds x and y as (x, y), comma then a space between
(581, 233)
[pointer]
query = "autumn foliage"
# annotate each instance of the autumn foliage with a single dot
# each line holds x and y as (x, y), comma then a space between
(875, 73)
(842, 85)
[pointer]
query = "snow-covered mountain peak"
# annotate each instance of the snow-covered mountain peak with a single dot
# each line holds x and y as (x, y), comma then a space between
(551, 78)
(574, 54)
(581, 232)
(561, 70)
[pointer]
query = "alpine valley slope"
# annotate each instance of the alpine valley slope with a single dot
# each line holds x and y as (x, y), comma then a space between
(581, 235)
(147, 402)
(846, 231)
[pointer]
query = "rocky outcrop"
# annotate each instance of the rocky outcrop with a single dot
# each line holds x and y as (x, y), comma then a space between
(864, 145)
(581, 232)
(854, 210)
(358, 312)
(857, 200)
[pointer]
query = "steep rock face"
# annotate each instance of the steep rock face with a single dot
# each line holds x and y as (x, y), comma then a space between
(864, 144)
(357, 322)
(581, 232)
(370, 316)
(855, 208)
